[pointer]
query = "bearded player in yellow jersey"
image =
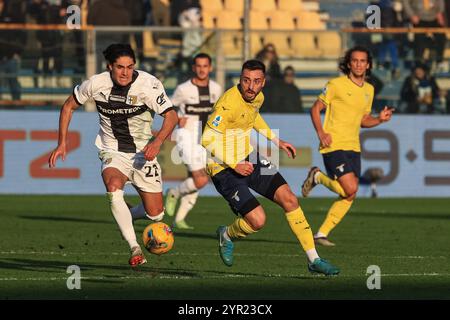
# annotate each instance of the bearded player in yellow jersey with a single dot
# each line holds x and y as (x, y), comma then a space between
(348, 103)
(235, 168)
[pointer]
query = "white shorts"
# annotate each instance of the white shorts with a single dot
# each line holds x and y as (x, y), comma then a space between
(145, 175)
(191, 152)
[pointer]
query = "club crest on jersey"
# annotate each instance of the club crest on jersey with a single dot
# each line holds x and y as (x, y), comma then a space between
(217, 121)
(131, 100)
(324, 91)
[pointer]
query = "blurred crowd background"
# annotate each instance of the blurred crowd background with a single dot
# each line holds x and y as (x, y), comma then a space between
(300, 41)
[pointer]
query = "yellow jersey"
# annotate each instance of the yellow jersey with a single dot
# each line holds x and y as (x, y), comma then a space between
(227, 131)
(346, 103)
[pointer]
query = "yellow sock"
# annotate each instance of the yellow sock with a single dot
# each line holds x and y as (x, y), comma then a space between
(239, 229)
(301, 228)
(332, 185)
(335, 215)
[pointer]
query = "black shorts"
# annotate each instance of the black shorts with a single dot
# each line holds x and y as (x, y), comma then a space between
(341, 162)
(265, 180)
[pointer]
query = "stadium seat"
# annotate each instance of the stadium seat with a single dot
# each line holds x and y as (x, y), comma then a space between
(160, 12)
(149, 48)
(308, 20)
(232, 44)
(281, 41)
(329, 42)
(234, 5)
(211, 5)
(258, 21)
(256, 42)
(263, 5)
(229, 20)
(290, 5)
(305, 45)
(209, 20)
(281, 20)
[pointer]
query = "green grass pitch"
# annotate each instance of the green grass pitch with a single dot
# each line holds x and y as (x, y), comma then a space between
(43, 235)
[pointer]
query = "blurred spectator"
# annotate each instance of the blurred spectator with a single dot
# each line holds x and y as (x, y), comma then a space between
(378, 104)
(290, 94)
(388, 44)
(420, 91)
(136, 11)
(268, 55)
(427, 14)
(186, 14)
(78, 37)
(48, 12)
(12, 43)
(283, 96)
(177, 7)
(108, 13)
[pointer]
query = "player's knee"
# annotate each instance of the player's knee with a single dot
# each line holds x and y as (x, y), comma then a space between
(351, 189)
(200, 182)
(113, 185)
(257, 223)
(351, 197)
(290, 202)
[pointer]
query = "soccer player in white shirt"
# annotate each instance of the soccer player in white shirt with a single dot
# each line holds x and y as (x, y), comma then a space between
(194, 99)
(126, 101)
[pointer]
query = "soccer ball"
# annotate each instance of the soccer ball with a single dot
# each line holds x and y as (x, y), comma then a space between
(158, 238)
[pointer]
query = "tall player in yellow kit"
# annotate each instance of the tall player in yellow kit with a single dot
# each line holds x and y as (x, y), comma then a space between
(348, 103)
(235, 168)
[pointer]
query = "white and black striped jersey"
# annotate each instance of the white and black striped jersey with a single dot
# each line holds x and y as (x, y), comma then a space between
(195, 103)
(126, 113)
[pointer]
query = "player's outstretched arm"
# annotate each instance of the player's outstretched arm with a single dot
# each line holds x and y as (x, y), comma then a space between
(286, 147)
(368, 121)
(324, 138)
(64, 119)
(152, 149)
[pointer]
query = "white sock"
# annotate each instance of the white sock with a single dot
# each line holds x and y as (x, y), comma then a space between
(312, 255)
(138, 212)
(226, 236)
(320, 235)
(315, 177)
(186, 187)
(187, 202)
(123, 218)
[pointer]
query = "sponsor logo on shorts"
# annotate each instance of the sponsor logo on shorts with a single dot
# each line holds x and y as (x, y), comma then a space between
(340, 167)
(107, 161)
(235, 196)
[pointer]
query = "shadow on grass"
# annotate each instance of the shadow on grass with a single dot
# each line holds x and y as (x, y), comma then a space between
(65, 219)
(187, 234)
(393, 215)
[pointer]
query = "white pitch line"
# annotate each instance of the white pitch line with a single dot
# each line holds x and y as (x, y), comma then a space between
(240, 276)
(64, 254)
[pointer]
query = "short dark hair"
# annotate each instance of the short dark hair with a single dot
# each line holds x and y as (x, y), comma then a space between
(345, 61)
(253, 65)
(289, 68)
(201, 55)
(117, 50)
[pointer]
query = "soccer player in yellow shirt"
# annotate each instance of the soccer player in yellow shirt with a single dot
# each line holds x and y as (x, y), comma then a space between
(235, 168)
(348, 103)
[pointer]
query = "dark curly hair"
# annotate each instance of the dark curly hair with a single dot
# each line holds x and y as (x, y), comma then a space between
(117, 50)
(345, 61)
